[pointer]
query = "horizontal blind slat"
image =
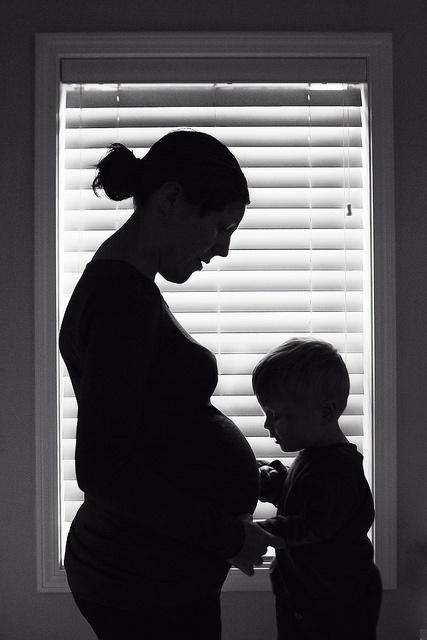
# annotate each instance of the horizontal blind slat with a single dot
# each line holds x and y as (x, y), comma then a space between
(231, 136)
(280, 280)
(200, 95)
(252, 426)
(255, 281)
(277, 260)
(255, 218)
(212, 115)
(240, 342)
(251, 156)
(208, 303)
(273, 197)
(265, 322)
(250, 240)
(260, 177)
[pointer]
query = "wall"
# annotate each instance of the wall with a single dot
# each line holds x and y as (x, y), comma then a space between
(28, 615)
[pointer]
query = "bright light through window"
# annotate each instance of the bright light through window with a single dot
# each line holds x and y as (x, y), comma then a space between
(299, 264)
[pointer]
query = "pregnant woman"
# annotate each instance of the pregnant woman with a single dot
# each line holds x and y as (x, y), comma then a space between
(167, 477)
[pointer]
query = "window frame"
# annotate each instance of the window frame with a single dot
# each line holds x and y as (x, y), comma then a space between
(54, 49)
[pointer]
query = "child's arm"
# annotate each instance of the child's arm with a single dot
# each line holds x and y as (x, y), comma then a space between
(331, 499)
(293, 529)
(272, 476)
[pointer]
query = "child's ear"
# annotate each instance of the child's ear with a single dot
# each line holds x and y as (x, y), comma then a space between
(328, 411)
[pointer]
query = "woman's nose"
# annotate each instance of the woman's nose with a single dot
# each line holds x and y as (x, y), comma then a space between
(222, 246)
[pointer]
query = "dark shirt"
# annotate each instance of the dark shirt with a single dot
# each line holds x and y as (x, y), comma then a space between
(165, 474)
(324, 514)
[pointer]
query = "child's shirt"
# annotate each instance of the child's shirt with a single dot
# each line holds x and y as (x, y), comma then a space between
(324, 514)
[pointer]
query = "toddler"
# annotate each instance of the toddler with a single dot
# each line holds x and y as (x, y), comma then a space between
(326, 584)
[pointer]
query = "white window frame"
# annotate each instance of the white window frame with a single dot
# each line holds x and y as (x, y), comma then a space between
(51, 51)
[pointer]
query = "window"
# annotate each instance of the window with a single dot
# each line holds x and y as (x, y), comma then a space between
(300, 263)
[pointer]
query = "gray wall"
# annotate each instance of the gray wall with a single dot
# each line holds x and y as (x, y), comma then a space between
(28, 615)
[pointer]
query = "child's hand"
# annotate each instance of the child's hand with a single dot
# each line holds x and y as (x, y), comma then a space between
(271, 480)
(257, 541)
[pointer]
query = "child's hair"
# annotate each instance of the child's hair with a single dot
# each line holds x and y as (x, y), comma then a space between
(207, 171)
(308, 371)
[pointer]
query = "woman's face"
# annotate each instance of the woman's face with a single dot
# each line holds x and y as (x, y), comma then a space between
(193, 240)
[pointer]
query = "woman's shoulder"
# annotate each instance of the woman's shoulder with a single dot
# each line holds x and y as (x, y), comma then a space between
(117, 280)
(118, 271)
(115, 291)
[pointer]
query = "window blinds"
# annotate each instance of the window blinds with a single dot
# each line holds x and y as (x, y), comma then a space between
(298, 264)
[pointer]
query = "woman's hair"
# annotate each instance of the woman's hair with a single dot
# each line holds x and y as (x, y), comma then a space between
(308, 371)
(207, 171)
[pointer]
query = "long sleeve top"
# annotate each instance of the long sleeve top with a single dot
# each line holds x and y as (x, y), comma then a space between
(165, 474)
(324, 514)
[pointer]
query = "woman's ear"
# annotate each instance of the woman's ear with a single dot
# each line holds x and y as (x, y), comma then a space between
(169, 198)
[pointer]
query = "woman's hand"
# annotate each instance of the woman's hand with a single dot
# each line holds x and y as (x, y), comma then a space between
(256, 543)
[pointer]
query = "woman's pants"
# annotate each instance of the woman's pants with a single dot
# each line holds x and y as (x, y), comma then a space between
(199, 620)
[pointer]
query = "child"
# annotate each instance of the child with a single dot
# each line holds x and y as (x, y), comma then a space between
(326, 584)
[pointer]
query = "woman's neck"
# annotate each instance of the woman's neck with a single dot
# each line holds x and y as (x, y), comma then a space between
(131, 244)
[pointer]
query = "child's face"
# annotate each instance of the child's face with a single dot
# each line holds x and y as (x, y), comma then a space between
(294, 427)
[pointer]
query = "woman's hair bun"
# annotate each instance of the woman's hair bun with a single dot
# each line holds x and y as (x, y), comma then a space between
(117, 173)
(207, 171)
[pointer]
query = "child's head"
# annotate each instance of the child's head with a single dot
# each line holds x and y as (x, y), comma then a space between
(303, 387)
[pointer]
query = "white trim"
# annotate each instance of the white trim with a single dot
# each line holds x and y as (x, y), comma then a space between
(243, 44)
(383, 234)
(50, 577)
(210, 69)
(51, 49)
